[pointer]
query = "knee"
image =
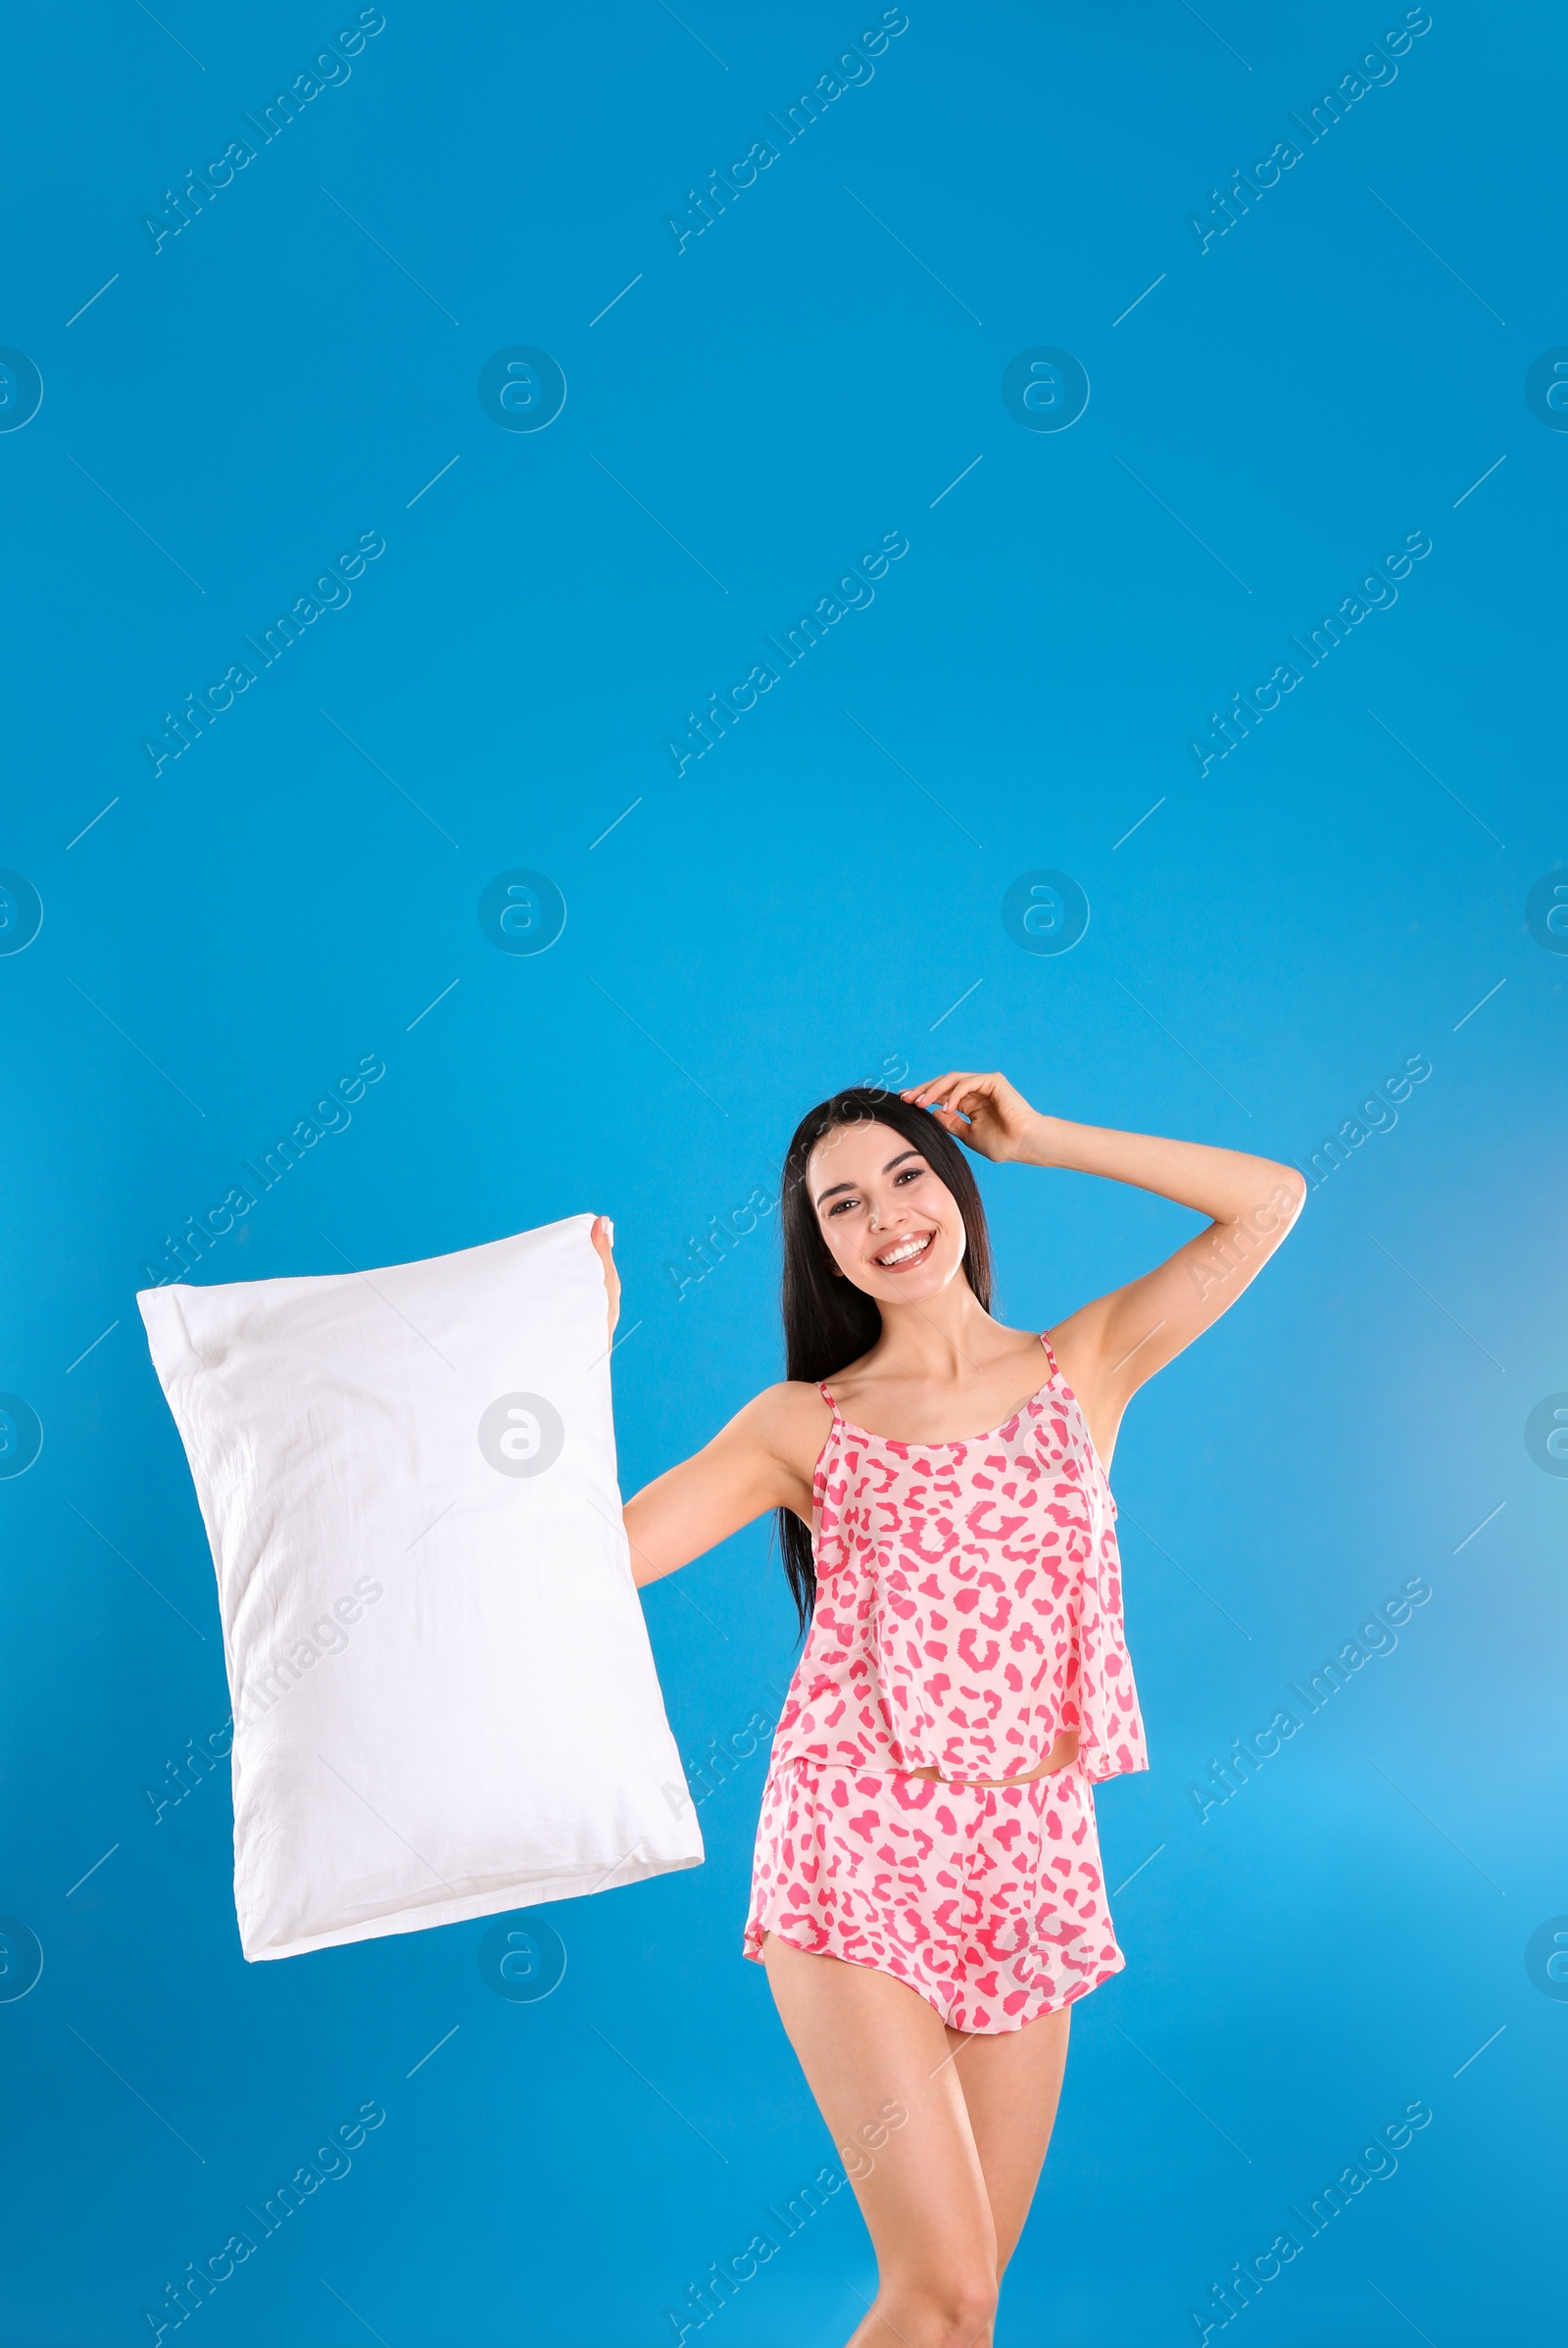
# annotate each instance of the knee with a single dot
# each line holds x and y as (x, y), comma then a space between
(959, 2311)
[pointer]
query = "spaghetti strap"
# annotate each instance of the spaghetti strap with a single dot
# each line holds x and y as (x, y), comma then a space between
(827, 1398)
(1055, 1371)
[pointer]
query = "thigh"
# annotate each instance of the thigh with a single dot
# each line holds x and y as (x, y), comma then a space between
(875, 2057)
(1011, 2082)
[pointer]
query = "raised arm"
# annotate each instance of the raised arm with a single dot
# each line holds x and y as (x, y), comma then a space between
(762, 1459)
(1108, 1348)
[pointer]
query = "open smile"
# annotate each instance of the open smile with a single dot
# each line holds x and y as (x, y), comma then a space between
(906, 1252)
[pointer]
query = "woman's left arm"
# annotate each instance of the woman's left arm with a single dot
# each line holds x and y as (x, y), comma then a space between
(1122, 1339)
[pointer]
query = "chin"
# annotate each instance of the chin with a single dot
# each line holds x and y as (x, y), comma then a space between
(914, 1291)
(927, 1280)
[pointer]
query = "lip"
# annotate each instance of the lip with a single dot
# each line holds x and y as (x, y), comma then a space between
(909, 1264)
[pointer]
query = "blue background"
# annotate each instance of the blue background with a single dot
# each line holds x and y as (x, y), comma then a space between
(798, 908)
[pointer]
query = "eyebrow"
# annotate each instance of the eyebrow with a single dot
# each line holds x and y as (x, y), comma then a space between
(854, 1185)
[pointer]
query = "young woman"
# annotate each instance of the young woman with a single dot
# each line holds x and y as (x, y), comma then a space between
(927, 1894)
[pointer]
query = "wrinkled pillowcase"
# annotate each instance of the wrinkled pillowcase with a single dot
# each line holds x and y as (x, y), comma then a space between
(445, 1703)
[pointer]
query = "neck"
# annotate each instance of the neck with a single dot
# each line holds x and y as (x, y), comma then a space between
(940, 1337)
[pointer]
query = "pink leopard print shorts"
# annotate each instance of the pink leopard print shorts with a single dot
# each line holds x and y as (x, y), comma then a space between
(987, 1899)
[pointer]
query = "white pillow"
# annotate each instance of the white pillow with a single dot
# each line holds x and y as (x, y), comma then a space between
(445, 1702)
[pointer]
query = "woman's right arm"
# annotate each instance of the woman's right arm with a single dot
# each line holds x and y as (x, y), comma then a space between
(762, 1459)
(765, 1458)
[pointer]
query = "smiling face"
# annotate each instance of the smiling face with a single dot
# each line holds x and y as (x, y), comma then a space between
(890, 1223)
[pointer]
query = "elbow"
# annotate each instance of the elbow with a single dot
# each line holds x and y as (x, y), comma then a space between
(1288, 1197)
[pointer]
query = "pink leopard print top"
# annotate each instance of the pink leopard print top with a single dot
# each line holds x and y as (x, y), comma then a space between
(968, 1602)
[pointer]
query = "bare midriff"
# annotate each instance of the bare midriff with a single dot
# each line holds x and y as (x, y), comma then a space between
(1061, 1756)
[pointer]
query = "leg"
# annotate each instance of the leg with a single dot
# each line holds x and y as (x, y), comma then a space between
(1011, 2083)
(865, 2040)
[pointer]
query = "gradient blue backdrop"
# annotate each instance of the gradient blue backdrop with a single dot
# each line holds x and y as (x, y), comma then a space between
(800, 907)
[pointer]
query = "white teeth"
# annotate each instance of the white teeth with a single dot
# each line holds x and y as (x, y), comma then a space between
(911, 1248)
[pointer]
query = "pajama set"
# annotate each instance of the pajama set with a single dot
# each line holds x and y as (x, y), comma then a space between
(968, 1613)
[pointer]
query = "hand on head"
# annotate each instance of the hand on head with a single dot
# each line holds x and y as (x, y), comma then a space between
(985, 1112)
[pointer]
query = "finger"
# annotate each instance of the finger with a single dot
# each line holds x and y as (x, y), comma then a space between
(958, 1126)
(939, 1105)
(939, 1088)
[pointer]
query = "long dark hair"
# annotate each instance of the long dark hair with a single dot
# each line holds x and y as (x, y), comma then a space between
(829, 1321)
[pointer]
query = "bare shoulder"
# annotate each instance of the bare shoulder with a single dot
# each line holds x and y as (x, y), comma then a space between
(790, 1421)
(773, 1443)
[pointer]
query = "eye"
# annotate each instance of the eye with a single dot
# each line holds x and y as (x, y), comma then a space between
(910, 1174)
(841, 1205)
